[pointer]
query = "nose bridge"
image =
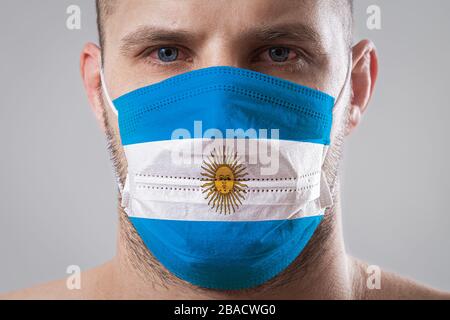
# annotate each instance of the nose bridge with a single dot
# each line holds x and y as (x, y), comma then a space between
(221, 50)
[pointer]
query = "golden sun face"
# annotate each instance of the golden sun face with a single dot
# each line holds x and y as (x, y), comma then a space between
(224, 179)
(224, 187)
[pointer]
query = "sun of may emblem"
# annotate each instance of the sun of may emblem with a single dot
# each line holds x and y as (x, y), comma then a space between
(224, 176)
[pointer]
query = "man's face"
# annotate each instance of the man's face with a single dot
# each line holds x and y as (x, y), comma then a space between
(303, 41)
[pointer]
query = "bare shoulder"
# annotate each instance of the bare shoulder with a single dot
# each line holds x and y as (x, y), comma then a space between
(395, 287)
(49, 291)
(58, 290)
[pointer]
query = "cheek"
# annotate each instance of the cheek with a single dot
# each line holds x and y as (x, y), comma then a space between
(340, 86)
(115, 143)
(321, 76)
(128, 78)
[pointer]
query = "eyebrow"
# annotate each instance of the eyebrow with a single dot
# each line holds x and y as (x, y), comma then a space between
(296, 32)
(148, 34)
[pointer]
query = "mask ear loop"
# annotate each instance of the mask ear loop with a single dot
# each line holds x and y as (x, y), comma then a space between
(123, 190)
(347, 78)
(105, 90)
(327, 199)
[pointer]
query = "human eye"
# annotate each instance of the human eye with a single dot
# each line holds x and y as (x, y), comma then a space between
(164, 55)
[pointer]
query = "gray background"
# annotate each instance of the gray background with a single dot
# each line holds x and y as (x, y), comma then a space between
(57, 189)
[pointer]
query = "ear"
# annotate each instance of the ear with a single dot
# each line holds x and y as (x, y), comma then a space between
(90, 73)
(364, 76)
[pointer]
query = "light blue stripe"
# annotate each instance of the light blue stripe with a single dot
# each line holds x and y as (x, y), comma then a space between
(225, 98)
(226, 255)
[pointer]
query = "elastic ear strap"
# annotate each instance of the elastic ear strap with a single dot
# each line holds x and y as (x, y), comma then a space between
(105, 92)
(325, 191)
(339, 97)
(347, 78)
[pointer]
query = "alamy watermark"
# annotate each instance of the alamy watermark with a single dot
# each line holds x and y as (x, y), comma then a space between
(258, 146)
(73, 281)
(73, 21)
(374, 17)
(373, 281)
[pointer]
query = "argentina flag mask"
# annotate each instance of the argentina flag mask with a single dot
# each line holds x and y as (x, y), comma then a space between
(225, 183)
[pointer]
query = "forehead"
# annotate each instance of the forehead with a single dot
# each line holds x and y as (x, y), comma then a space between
(227, 18)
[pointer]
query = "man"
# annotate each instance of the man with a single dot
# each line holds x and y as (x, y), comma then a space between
(307, 42)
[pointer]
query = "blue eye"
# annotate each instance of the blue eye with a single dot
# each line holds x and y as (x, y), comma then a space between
(168, 54)
(279, 54)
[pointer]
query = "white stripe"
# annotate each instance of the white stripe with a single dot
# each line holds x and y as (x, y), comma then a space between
(199, 212)
(161, 158)
(299, 183)
(159, 188)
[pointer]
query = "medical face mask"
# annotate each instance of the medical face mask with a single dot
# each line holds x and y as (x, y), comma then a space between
(225, 183)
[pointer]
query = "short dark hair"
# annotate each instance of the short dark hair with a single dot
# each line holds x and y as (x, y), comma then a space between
(106, 7)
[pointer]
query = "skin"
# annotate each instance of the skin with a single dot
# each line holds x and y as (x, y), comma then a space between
(223, 32)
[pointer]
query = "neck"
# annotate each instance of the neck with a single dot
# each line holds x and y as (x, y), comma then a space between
(325, 272)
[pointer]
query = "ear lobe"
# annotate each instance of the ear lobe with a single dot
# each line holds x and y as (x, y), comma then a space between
(364, 76)
(90, 74)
